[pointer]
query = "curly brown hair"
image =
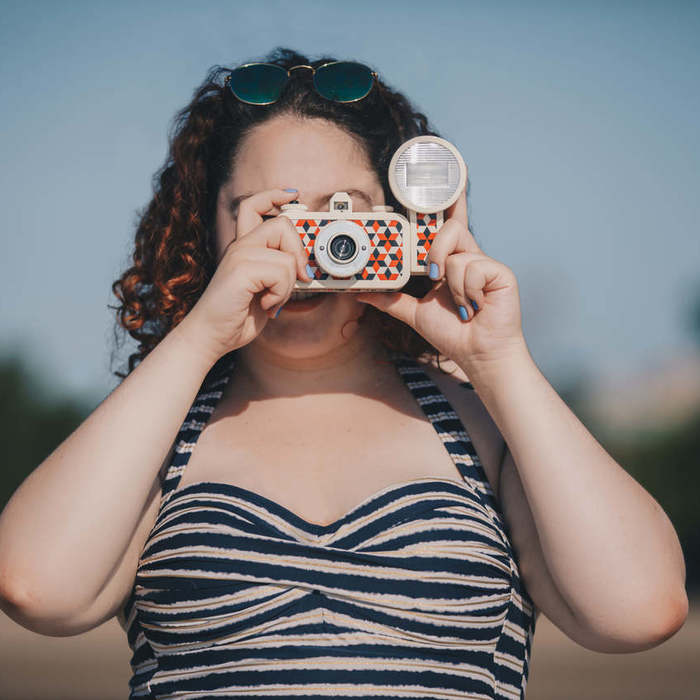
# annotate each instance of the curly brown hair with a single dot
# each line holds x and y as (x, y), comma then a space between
(174, 255)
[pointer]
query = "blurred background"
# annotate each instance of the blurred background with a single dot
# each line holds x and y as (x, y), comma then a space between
(579, 124)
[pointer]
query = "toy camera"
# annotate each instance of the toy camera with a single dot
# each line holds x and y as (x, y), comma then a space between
(358, 250)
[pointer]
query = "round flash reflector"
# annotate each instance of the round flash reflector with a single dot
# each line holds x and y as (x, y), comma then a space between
(427, 174)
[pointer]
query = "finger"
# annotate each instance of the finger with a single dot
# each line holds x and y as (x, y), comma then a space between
(456, 266)
(459, 209)
(306, 272)
(251, 209)
(468, 278)
(273, 278)
(396, 304)
(453, 237)
(280, 233)
(478, 275)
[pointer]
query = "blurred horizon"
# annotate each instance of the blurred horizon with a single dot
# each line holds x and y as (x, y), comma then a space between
(578, 124)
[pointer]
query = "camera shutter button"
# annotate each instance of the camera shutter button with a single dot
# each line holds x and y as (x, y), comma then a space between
(382, 207)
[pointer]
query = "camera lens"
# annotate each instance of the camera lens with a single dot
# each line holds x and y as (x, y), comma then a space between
(342, 247)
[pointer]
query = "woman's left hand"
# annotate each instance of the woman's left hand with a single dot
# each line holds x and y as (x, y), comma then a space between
(492, 332)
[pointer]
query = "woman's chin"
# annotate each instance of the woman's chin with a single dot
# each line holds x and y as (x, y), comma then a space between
(328, 319)
(294, 307)
(319, 305)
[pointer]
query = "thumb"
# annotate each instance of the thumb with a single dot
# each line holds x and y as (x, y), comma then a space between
(396, 304)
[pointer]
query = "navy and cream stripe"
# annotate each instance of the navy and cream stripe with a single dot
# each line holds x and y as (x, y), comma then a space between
(415, 593)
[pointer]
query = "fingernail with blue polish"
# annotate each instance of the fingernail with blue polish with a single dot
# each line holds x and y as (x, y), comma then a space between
(474, 306)
(463, 313)
(434, 271)
(278, 311)
(290, 189)
(309, 270)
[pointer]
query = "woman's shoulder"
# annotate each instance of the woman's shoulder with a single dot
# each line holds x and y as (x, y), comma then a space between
(454, 383)
(446, 368)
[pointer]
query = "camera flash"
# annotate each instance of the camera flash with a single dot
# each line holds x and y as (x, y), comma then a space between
(427, 174)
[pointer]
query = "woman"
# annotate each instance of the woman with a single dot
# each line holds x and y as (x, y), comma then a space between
(322, 539)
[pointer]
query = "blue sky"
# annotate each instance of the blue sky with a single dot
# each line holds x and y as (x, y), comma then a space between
(578, 121)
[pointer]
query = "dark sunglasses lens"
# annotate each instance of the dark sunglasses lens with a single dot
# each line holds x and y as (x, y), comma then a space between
(259, 84)
(344, 81)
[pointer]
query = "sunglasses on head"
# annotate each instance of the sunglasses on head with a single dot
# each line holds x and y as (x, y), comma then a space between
(262, 83)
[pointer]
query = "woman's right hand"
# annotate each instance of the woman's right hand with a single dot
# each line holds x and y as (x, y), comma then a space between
(255, 276)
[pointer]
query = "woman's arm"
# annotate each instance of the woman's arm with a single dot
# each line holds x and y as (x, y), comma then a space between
(71, 520)
(610, 549)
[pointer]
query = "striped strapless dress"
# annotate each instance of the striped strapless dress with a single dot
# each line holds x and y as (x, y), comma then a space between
(415, 593)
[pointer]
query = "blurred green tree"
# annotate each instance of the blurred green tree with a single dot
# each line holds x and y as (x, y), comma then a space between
(666, 464)
(693, 316)
(33, 425)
